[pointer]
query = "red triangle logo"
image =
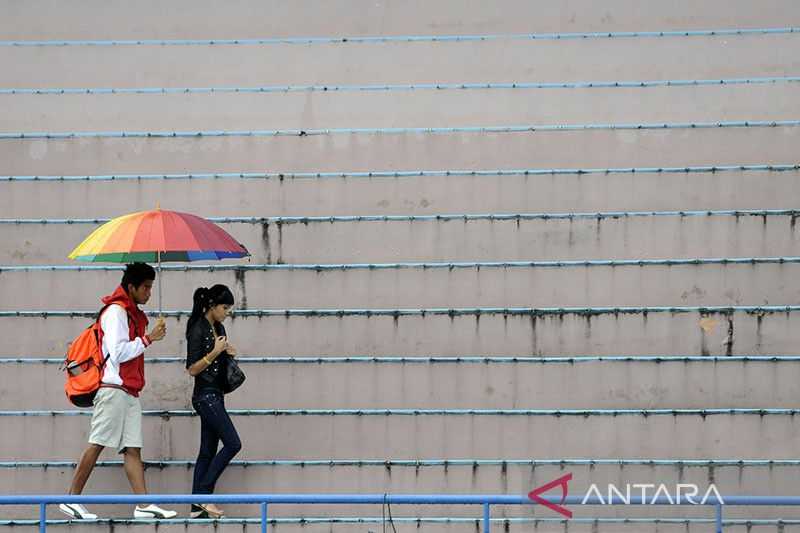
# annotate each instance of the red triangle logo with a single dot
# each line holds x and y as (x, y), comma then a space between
(535, 495)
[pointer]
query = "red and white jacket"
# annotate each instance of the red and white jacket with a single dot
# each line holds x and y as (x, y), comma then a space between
(124, 342)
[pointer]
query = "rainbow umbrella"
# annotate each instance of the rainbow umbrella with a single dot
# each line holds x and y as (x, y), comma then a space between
(157, 236)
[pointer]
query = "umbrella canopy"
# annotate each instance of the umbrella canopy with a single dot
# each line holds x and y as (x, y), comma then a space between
(156, 236)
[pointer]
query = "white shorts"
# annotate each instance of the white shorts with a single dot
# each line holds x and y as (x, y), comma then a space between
(116, 420)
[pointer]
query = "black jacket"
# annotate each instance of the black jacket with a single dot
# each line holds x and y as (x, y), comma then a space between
(199, 343)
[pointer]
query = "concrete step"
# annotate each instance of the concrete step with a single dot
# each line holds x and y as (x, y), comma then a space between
(425, 383)
(251, 19)
(481, 238)
(492, 332)
(756, 434)
(491, 60)
(338, 152)
(396, 109)
(418, 286)
(415, 195)
(457, 478)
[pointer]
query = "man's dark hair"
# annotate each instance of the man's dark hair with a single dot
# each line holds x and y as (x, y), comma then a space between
(136, 274)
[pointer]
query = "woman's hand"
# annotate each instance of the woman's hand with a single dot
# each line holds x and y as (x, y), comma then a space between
(231, 349)
(219, 346)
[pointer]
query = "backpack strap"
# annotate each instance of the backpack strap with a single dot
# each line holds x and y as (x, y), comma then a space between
(98, 336)
(100, 333)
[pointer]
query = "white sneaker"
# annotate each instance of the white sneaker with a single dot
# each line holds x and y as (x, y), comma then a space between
(77, 511)
(153, 511)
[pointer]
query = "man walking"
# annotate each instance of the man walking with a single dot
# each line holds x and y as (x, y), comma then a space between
(117, 416)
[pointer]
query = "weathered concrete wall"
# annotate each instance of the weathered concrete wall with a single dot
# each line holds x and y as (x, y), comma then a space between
(569, 333)
(31, 386)
(186, 19)
(452, 385)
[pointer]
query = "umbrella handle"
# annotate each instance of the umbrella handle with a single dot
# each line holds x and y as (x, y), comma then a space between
(158, 255)
(160, 315)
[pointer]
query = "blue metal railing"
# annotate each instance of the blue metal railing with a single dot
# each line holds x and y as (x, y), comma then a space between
(477, 265)
(452, 359)
(403, 87)
(445, 217)
(442, 311)
(486, 501)
(427, 463)
(420, 521)
(372, 174)
(415, 38)
(725, 32)
(558, 413)
(526, 128)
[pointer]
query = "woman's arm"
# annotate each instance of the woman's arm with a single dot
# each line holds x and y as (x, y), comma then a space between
(197, 359)
(205, 361)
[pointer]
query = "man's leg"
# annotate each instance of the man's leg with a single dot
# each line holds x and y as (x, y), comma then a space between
(131, 447)
(134, 469)
(104, 431)
(85, 467)
(82, 473)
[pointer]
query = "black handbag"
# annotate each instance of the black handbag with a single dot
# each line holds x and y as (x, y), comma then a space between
(234, 377)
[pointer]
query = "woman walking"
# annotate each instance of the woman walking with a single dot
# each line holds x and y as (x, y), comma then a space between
(208, 353)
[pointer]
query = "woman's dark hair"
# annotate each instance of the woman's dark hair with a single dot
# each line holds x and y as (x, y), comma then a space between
(205, 299)
(136, 274)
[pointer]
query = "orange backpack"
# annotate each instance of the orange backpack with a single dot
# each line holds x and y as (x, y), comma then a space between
(84, 364)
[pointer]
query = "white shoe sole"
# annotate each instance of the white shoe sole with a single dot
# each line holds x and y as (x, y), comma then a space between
(75, 515)
(154, 514)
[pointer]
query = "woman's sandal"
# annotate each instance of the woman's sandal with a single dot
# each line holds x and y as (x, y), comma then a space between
(201, 511)
(198, 512)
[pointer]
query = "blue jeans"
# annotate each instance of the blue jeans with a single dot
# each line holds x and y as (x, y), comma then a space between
(215, 426)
